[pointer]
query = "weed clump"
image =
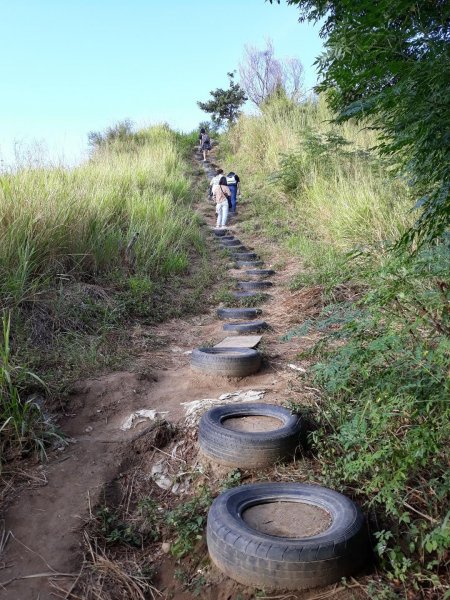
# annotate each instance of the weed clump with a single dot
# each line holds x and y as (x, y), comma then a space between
(187, 521)
(24, 428)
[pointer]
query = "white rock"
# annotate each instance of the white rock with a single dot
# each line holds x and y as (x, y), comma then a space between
(296, 368)
(139, 416)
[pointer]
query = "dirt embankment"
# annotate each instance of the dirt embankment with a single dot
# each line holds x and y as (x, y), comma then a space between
(106, 465)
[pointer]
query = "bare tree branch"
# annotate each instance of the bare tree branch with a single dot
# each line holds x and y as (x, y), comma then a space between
(262, 74)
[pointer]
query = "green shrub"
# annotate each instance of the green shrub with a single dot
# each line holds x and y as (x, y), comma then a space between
(385, 418)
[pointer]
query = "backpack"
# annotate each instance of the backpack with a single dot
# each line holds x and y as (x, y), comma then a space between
(206, 142)
(231, 178)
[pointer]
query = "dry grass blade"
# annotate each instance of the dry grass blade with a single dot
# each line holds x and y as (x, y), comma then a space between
(53, 574)
(4, 537)
(102, 577)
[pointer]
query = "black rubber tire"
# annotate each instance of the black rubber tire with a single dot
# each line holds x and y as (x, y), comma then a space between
(233, 242)
(227, 237)
(246, 449)
(280, 563)
(260, 272)
(254, 285)
(238, 313)
(246, 327)
(219, 232)
(245, 256)
(227, 362)
(236, 249)
(249, 263)
(245, 294)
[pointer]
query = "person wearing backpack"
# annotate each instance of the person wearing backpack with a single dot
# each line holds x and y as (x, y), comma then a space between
(221, 195)
(205, 143)
(234, 184)
(214, 181)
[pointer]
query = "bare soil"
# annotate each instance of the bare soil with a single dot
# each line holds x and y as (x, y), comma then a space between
(287, 519)
(252, 423)
(105, 464)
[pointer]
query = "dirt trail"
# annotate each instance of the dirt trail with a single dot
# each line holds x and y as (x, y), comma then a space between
(45, 520)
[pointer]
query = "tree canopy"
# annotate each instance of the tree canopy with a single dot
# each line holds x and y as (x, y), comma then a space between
(390, 61)
(225, 104)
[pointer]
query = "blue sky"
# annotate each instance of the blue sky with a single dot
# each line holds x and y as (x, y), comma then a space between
(69, 67)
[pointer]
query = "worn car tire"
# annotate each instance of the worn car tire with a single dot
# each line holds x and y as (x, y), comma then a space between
(254, 285)
(281, 563)
(219, 232)
(246, 327)
(236, 249)
(238, 313)
(245, 256)
(249, 294)
(228, 243)
(247, 449)
(260, 272)
(227, 362)
(249, 263)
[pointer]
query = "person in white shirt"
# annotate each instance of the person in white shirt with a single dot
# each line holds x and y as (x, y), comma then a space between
(214, 181)
(221, 195)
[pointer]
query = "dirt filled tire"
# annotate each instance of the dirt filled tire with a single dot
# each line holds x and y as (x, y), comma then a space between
(246, 256)
(249, 263)
(238, 313)
(281, 563)
(234, 242)
(251, 326)
(235, 249)
(255, 285)
(226, 362)
(254, 294)
(260, 272)
(249, 449)
(219, 232)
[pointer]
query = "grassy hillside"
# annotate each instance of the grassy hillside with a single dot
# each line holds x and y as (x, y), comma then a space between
(315, 184)
(61, 224)
(382, 424)
(82, 252)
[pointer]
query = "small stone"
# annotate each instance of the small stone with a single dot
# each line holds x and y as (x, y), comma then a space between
(88, 429)
(165, 547)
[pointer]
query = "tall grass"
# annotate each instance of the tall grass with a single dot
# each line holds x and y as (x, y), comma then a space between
(23, 426)
(317, 185)
(57, 223)
(122, 220)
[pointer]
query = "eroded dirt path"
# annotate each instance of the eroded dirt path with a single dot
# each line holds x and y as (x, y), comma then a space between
(44, 552)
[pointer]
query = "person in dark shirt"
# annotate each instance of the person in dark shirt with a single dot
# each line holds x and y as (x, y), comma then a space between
(234, 183)
(205, 143)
